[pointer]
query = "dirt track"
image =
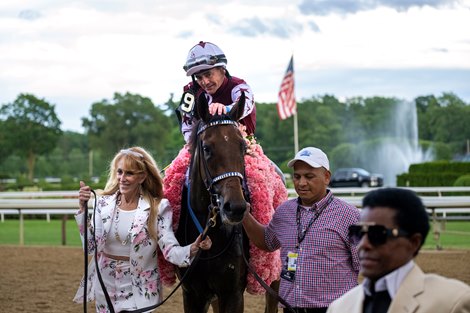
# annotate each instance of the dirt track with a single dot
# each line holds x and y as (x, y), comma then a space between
(44, 279)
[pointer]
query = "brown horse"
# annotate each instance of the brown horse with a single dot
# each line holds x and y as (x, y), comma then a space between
(216, 193)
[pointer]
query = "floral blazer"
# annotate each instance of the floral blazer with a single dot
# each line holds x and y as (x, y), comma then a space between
(143, 256)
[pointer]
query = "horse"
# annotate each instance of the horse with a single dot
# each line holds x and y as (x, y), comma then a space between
(216, 194)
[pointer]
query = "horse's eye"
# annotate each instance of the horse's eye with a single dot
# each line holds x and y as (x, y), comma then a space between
(206, 149)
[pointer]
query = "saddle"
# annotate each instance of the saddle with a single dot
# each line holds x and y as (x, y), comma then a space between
(267, 192)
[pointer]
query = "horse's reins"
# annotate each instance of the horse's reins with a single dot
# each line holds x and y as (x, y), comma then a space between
(85, 239)
(191, 266)
(209, 182)
(266, 286)
(209, 224)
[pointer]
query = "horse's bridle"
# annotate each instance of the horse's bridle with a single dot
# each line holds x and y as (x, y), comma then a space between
(209, 181)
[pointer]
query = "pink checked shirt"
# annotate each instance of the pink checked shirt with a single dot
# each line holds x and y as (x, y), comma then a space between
(327, 264)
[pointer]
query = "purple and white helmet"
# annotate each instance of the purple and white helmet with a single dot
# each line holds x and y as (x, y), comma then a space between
(204, 56)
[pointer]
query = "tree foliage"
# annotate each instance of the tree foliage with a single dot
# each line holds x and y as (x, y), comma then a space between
(349, 131)
(30, 128)
(127, 120)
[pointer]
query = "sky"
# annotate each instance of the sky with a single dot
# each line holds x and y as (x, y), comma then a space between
(75, 53)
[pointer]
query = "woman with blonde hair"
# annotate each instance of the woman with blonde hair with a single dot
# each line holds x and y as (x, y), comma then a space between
(131, 218)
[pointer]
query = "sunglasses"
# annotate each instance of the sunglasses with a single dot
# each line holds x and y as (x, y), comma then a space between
(376, 234)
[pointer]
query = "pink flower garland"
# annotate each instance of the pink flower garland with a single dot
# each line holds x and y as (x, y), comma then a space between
(267, 191)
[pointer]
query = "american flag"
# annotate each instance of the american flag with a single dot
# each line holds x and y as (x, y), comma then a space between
(286, 105)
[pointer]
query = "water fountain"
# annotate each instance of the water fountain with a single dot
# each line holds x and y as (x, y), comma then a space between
(394, 154)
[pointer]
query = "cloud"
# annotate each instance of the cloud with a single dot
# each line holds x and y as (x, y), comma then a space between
(29, 15)
(402, 83)
(185, 34)
(276, 27)
(325, 7)
(314, 26)
(74, 53)
(443, 50)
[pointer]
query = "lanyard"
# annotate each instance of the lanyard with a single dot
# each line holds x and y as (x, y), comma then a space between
(302, 232)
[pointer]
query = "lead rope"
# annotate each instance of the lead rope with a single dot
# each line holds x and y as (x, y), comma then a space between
(266, 286)
(85, 257)
(190, 268)
(108, 300)
(85, 238)
(106, 295)
(252, 270)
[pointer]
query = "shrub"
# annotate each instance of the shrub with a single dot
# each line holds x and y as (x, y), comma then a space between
(429, 174)
(463, 180)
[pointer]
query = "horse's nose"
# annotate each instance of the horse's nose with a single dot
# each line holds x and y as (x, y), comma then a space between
(235, 210)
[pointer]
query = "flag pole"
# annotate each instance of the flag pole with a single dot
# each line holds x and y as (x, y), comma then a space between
(286, 105)
(296, 134)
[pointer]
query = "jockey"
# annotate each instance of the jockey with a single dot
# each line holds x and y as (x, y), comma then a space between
(206, 64)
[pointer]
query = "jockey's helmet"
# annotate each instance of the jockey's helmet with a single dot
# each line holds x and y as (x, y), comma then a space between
(204, 56)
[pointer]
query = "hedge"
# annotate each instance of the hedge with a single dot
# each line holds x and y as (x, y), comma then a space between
(429, 174)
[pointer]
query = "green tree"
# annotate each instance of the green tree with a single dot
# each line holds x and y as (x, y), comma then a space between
(425, 105)
(4, 150)
(276, 136)
(320, 122)
(30, 127)
(175, 138)
(128, 120)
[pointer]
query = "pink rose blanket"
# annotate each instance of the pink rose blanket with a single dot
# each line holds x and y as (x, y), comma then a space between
(267, 191)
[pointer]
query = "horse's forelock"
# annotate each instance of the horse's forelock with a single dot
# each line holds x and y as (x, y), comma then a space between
(197, 124)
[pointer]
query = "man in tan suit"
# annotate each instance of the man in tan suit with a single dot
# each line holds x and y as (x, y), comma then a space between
(392, 229)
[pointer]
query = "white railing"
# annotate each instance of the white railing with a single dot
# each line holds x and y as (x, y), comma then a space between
(66, 203)
(38, 202)
(356, 191)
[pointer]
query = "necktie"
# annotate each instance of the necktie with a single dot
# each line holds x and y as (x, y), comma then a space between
(378, 302)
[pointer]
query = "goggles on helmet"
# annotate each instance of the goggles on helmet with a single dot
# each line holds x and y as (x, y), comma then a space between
(205, 60)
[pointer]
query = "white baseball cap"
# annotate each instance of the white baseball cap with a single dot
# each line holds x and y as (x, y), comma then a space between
(312, 156)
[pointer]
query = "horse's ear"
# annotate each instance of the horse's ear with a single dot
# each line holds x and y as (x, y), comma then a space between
(237, 110)
(202, 108)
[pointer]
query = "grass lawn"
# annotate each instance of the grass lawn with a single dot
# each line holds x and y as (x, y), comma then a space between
(40, 232)
(455, 235)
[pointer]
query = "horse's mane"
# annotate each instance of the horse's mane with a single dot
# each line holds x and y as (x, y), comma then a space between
(193, 136)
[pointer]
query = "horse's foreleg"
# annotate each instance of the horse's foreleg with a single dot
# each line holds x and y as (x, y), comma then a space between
(234, 303)
(271, 301)
(215, 306)
(194, 304)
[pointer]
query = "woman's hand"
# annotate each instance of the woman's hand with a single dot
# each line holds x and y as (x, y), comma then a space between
(205, 244)
(84, 194)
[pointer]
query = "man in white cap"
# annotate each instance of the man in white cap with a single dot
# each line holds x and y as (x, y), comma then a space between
(207, 65)
(319, 263)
